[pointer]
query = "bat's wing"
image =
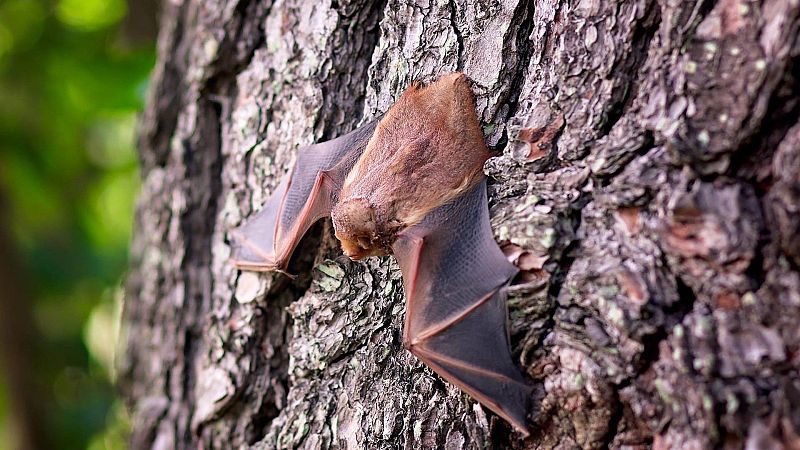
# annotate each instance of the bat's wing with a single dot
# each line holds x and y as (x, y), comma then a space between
(456, 320)
(306, 194)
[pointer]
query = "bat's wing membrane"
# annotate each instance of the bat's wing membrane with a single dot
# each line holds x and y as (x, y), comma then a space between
(306, 194)
(456, 320)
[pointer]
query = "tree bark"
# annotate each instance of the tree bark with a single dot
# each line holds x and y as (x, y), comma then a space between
(647, 183)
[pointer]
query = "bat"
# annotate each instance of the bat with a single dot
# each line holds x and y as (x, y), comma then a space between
(412, 185)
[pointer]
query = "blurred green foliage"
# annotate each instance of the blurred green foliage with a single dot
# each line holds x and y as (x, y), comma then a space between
(70, 91)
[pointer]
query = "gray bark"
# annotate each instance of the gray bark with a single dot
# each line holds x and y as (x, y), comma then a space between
(647, 183)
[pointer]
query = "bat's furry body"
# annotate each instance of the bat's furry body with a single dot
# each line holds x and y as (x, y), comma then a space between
(412, 185)
(427, 150)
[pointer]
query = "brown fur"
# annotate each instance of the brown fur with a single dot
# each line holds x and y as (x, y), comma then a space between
(427, 150)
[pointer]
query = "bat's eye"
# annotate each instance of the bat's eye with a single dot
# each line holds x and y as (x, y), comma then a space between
(363, 242)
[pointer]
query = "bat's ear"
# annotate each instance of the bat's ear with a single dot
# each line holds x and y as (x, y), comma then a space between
(454, 77)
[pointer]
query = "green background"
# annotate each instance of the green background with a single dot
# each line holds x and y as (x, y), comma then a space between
(73, 77)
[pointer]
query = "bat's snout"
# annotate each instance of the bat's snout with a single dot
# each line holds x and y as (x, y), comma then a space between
(354, 254)
(351, 249)
(359, 248)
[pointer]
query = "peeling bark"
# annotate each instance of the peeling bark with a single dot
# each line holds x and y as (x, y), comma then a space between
(647, 184)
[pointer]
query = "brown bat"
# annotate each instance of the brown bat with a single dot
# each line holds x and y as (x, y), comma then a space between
(412, 185)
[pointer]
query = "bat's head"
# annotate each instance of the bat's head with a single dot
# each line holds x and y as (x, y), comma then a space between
(358, 229)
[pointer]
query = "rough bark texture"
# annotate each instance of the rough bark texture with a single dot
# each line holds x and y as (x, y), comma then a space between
(648, 183)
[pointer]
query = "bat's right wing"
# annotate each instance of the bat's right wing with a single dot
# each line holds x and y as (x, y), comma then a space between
(306, 194)
(454, 276)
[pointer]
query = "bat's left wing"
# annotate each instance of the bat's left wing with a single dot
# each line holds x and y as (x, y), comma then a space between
(305, 195)
(456, 320)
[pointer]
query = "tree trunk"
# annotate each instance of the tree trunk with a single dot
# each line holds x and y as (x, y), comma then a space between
(647, 183)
